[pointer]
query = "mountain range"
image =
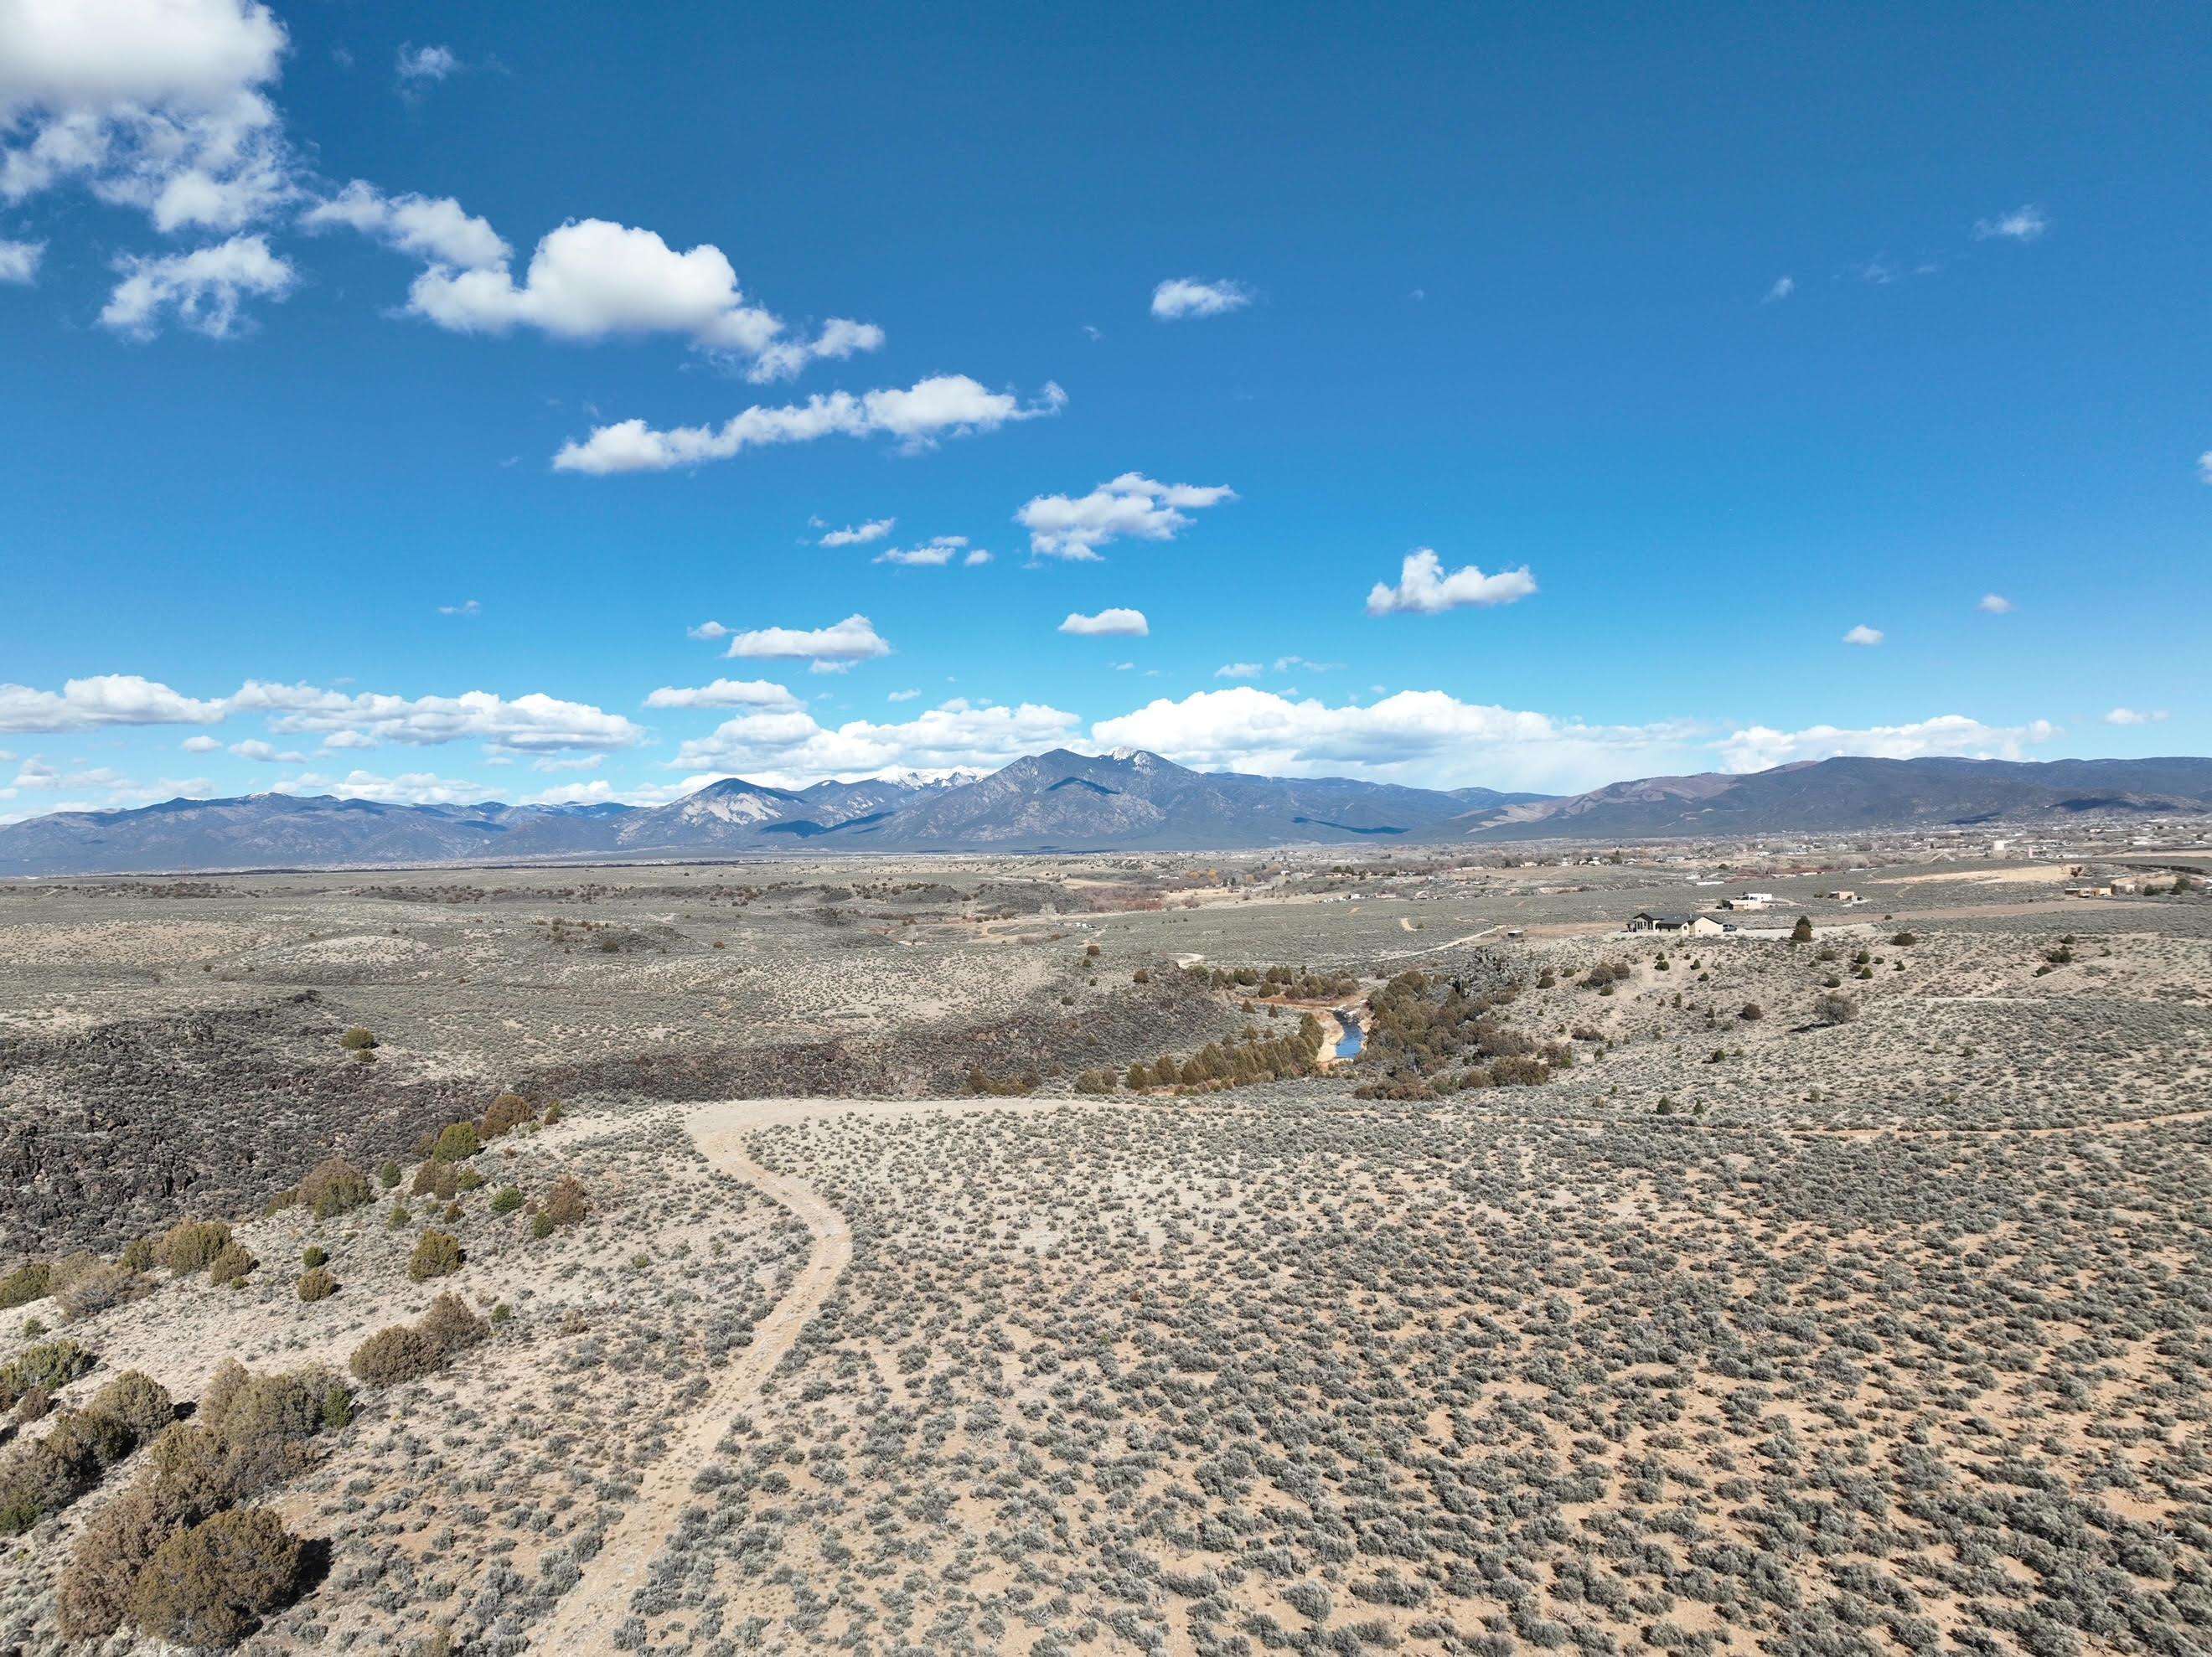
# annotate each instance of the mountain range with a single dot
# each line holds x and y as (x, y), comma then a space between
(1061, 801)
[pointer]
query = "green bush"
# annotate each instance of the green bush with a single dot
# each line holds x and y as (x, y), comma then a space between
(334, 1187)
(437, 1254)
(458, 1142)
(138, 1401)
(507, 1112)
(231, 1266)
(191, 1244)
(356, 1040)
(269, 1420)
(52, 1366)
(566, 1205)
(388, 1175)
(25, 1283)
(506, 1199)
(314, 1254)
(34, 1481)
(317, 1284)
(407, 1351)
(541, 1224)
(211, 1585)
(96, 1585)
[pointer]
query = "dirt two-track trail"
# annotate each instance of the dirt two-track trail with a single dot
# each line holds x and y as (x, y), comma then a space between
(589, 1613)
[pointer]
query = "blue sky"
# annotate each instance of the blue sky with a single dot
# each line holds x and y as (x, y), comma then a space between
(1458, 394)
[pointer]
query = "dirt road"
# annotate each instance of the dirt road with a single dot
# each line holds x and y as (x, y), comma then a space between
(590, 1612)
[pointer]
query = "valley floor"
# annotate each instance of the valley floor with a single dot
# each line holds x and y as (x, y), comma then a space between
(1743, 1329)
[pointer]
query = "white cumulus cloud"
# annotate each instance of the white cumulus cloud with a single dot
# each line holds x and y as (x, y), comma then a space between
(947, 405)
(860, 534)
(592, 279)
(1076, 527)
(156, 105)
(792, 750)
(439, 230)
(102, 699)
(933, 553)
(1186, 296)
(725, 693)
(532, 723)
(1109, 624)
(2132, 716)
(1994, 603)
(1864, 635)
(202, 289)
(1759, 748)
(19, 261)
(408, 788)
(852, 639)
(1423, 589)
(1417, 736)
(1238, 670)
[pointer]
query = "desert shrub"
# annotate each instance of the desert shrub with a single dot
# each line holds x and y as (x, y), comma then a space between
(138, 1401)
(100, 1290)
(222, 1387)
(552, 1114)
(189, 1473)
(25, 1283)
(88, 1443)
(211, 1585)
(1802, 932)
(191, 1244)
(565, 1204)
(317, 1284)
(232, 1265)
(34, 1405)
(406, 1351)
(450, 1322)
(388, 1175)
(334, 1187)
(34, 1481)
(506, 1199)
(52, 1366)
(356, 1040)
(1835, 1008)
(269, 1419)
(1752, 1012)
(402, 1352)
(138, 1254)
(337, 1410)
(1904, 939)
(507, 1112)
(437, 1254)
(314, 1254)
(437, 1179)
(457, 1142)
(96, 1585)
(541, 1224)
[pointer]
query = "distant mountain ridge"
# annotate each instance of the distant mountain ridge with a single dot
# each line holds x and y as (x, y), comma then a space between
(1851, 793)
(1062, 801)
